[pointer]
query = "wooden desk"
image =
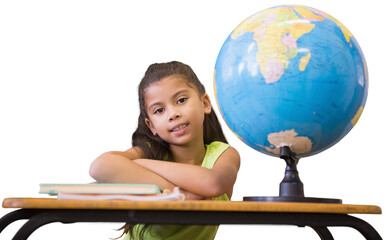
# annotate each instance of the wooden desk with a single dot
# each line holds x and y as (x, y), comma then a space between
(319, 216)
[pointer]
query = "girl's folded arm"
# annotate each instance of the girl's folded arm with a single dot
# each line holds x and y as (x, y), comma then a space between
(196, 179)
(118, 167)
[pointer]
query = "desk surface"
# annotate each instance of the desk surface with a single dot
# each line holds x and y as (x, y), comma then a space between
(188, 205)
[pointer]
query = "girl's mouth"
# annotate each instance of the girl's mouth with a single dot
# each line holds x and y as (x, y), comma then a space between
(179, 129)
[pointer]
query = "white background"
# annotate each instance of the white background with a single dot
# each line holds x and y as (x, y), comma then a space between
(68, 77)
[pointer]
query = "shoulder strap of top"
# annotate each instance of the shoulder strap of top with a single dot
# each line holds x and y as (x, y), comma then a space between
(213, 152)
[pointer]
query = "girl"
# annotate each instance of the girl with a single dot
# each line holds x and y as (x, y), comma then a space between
(178, 142)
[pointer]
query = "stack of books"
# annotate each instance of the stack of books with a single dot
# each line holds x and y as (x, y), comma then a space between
(107, 191)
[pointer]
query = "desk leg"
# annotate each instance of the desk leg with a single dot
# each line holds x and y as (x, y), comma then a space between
(363, 227)
(320, 222)
(323, 233)
(17, 215)
(68, 216)
(34, 223)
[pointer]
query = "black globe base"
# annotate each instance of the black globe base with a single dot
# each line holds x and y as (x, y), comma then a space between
(293, 199)
(291, 188)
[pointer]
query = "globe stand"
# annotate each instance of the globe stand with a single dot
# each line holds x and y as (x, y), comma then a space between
(291, 188)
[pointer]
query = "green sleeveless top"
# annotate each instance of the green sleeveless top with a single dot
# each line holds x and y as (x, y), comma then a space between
(187, 232)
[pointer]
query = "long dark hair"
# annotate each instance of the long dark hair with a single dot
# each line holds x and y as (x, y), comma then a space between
(154, 147)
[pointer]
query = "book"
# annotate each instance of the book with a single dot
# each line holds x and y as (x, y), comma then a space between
(99, 188)
(174, 195)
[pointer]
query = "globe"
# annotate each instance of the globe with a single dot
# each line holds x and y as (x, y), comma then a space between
(291, 76)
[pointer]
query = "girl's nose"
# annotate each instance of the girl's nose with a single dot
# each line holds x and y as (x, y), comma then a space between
(174, 115)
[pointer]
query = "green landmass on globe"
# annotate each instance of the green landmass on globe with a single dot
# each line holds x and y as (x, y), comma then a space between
(291, 76)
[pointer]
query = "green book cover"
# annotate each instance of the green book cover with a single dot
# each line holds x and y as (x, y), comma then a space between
(98, 188)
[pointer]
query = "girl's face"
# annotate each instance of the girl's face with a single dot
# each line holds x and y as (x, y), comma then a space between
(176, 111)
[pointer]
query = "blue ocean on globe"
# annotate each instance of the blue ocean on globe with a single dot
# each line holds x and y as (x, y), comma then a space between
(291, 76)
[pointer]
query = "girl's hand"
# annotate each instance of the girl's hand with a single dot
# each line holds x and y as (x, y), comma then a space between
(192, 196)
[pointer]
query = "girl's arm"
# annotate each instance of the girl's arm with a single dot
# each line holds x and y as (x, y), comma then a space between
(196, 179)
(118, 167)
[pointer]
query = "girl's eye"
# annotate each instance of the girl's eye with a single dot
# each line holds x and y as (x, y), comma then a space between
(158, 110)
(182, 100)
